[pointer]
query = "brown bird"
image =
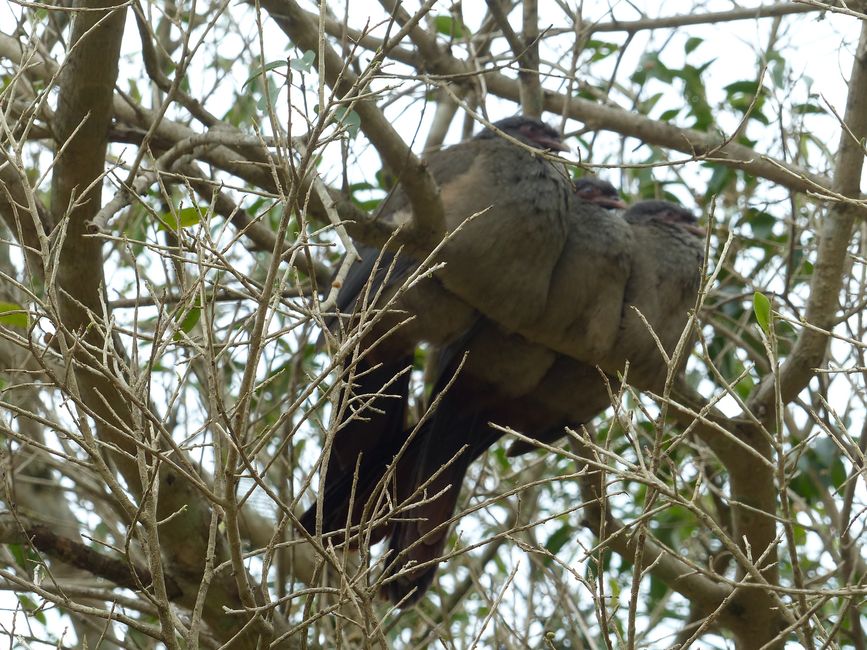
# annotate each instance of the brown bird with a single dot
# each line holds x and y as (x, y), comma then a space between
(523, 197)
(511, 382)
(502, 260)
(561, 277)
(667, 257)
(598, 191)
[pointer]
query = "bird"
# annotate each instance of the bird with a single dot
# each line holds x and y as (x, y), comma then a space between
(499, 370)
(516, 383)
(599, 191)
(605, 265)
(529, 345)
(512, 206)
(522, 197)
(667, 258)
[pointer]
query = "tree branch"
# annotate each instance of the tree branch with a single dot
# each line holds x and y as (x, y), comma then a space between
(227, 149)
(834, 239)
(531, 99)
(84, 114)
(421, 189)
(120, 572)
(710, 18)
(22, 210)
(526, 52)
(696, 144)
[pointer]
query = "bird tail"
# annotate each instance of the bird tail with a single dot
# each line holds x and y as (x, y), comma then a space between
(431, 485)
(428, 486)
(371, 433)
(363, 450)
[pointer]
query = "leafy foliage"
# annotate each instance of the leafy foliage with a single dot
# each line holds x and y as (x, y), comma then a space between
(207, 360)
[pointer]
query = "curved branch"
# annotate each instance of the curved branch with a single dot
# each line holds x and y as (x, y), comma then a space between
(596, 116)
(710, 18)
(834, 239)
(81, 556)
(421, 189)
(22, 210)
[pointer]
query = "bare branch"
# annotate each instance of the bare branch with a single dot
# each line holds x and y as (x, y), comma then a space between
(421, 189)
(122, 573)
(696, 144)
(710, 18)
(835, 237)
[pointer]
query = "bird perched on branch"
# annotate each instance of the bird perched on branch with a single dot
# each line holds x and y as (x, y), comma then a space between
(561, 268)
(511, 382)
(667, 257)
(596, 190)
(665, 276)
(513, 201)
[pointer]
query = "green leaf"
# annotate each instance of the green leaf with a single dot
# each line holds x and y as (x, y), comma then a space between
(601, 49)
(448, 26)
(559, 538)
(762, 310)
(273, 65)
(189, 321)
(761, 223)
(186, 217)
(804, 487)
(134, 91)
(722, 176)
(778, 69)
(241, 110)
(13, 315)
(748, 87)
(32, 609)
(746, 96)
(305, 63)
(646, 105)
(350, 120)
(269, 100)
(658, 589)
(20, 555)
(696, 97)
(826, 452)
(803, 109)
(745, 386)
(367, 206)
(692, 43)
(823, 461)
(651, 67)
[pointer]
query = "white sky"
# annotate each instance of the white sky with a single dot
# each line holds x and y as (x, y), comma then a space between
(819, 54)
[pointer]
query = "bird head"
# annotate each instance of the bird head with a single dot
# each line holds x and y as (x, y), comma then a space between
(666, 212)
(602, 193)
(529, 130)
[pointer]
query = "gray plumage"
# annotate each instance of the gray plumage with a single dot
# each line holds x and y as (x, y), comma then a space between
(524, 197)
(536, 292)
(667, 256)
(513, 382)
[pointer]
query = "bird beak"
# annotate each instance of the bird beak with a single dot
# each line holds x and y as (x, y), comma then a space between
(698, 231)
(611, 203)
(553, 145)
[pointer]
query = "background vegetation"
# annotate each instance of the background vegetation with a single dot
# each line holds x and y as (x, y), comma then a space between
(179, 183)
